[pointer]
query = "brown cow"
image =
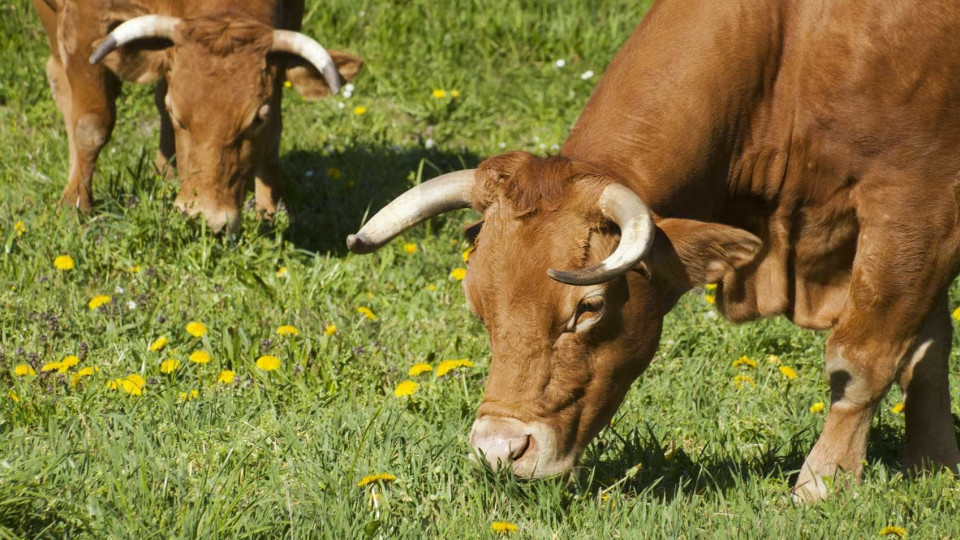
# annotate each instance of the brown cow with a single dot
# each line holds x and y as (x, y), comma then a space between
(803, 156)
(220, 67)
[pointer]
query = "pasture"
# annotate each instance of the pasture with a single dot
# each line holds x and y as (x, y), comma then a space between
(705, 446)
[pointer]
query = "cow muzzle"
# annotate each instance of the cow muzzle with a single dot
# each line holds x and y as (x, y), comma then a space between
(530, 449)
(220, 218)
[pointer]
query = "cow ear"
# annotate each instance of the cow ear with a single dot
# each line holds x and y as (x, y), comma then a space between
(693, 253)
(143, 61)
(311, 84)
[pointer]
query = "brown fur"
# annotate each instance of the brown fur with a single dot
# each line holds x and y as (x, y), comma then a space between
(802, 155)
(221, 143)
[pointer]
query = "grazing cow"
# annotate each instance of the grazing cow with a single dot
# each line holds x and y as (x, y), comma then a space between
(803, 156)
(220, 67)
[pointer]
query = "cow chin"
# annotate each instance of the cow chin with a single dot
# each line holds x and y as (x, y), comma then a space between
(530, 449)
(220, 218)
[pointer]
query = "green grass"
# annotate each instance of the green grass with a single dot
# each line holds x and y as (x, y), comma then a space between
(279, 454)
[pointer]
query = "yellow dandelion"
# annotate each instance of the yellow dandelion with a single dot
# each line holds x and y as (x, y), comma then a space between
(67, 363)
(199, 357)
(287, 84)
(158, 344)
(710, 287)
(788, 372)
(503, 527)
(64, 263)
(380, 477)
(891, 530)
(710, 298)
(367, 312)
(359, 110)
(454, 94)
(20, 228)
(330, 330)
(81, 373)
(13, 396)
(194, 394)
(418, 369)
(22, 370)
(131, 384)
(745, 361)
(956, 314)
(817, 407)
(169, 365)
(334, 173)
(287, 330)
(897, 409)
(741, 380)
(50, 366)
(135, 269)
(467, 252)
(282, 272)
(98, 301)
(449, 365)
(406, 388)
(439, 94)
(458, 274)
(197, 329)
(410, 249)
(431, 287)
(226, 376)
(773, 360)
(268, 363)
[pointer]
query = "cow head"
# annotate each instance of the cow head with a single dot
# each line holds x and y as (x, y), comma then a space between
(223, 78)
(566, 344)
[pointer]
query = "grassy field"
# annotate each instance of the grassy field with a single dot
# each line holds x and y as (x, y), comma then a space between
(691, 454)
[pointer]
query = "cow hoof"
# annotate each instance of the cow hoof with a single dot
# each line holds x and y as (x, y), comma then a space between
(83, 203)
(809, 490)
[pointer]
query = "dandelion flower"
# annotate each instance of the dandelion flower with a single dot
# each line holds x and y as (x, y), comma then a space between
(98, 301)
(67, 363)
(431, 287)
(458, 273)
(158, 344)
(418, 369)
(406, 388)
(330, 330)
(287, 330)
(22, 370)
(169, 365)
(439, 94)
(226, 376)
(745, 361)
(710, 287)
(741, 380)
(454, 94)
(449, 365)
(135, 269)
(282, 272)
(503, 527)
(359, 110)
(773, 360)
(20, 228)
(817, 407)
(367, 312)
(50, 366)
(710, 298)
(268, 363)
(194, 394)
(410, 249)
(381, 477)
(197, 329)
(64, 263)
(788, 372)
(891, 530)
(131, 384)
(199, 357)
(956, 314)
(81, 373)
(466, 254)
(334, 173)
(897, 409)
(287, 84)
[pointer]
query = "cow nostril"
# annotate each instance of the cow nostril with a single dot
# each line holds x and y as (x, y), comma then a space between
(519, 447)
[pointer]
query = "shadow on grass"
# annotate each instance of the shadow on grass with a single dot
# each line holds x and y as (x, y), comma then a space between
(330, 196)
(667, 475)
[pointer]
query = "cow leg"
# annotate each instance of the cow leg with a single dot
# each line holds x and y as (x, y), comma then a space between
(930, 438)
(168, 148)
(89, 116)
(269, 185)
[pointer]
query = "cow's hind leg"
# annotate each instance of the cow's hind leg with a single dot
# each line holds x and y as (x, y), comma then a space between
(930, 439)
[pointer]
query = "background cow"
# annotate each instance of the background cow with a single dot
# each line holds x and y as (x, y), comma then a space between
(803, 156)
(220, 67)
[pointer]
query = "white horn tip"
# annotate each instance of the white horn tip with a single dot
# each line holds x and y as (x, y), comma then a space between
(108, 45)
(358, 244)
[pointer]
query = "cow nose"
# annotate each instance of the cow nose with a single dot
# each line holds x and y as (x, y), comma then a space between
(500, 440)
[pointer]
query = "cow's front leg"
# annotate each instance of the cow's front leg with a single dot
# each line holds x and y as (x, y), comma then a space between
(930, 438)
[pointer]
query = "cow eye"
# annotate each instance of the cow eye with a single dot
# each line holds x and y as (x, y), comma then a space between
(589, 311)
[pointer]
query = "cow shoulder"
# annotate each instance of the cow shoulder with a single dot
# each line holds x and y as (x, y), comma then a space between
(691, 253)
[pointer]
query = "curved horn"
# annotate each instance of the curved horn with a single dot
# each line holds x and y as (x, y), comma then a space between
(146, 26)
(296, 43)
(623, 207)
(444, 193)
